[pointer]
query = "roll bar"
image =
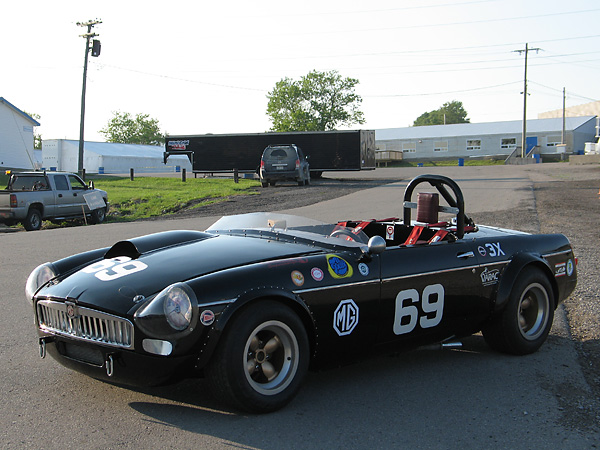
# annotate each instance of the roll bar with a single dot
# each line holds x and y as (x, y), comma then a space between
(455, 200)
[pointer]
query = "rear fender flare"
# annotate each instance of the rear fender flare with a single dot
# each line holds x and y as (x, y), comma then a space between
(39, 207)
(519, 263)
(245, 300)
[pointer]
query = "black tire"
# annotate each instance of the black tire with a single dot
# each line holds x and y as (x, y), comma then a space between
(33, 221)
(98, 215)
(273, 183)
(264, 184)
(300, 182)
(261, 361)
(523, 326)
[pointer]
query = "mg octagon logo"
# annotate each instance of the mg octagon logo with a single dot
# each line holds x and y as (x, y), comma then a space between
(345, 317)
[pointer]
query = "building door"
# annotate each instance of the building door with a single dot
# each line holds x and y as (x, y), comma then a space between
(532, 142)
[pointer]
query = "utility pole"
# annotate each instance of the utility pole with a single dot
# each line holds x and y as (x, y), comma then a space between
(524, 134)
(564, 112)
(96, 51)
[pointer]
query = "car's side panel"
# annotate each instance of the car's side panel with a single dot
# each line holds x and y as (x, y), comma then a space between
(430, 293)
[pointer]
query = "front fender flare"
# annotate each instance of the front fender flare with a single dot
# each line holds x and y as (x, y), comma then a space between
(246, 298)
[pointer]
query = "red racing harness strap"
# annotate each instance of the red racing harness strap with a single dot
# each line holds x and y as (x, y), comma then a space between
(438, 236)
(414, 235)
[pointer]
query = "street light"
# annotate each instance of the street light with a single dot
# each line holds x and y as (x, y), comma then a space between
(95, 48)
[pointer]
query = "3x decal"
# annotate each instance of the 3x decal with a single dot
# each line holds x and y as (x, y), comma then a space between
(491, 249)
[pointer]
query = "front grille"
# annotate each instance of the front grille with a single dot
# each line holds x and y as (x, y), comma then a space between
(76, 322)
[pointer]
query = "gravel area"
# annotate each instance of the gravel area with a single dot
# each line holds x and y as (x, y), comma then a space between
(282, 196)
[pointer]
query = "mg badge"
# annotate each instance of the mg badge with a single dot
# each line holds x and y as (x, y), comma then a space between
(345, 317)
(71, 310)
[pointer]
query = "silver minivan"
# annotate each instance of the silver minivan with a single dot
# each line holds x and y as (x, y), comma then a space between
(284, 162)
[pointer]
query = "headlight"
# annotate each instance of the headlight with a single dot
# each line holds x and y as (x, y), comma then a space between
(40, 276)
(173, 312)
(178, 308)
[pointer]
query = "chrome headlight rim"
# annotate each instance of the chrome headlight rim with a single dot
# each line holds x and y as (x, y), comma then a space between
(38, 278)
(153, 318)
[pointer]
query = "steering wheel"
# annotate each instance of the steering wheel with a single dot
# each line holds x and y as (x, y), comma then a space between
(345, 234)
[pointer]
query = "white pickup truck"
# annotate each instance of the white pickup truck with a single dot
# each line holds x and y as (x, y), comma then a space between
(32, 197)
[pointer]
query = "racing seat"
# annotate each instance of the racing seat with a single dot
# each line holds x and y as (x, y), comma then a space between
(427, 215)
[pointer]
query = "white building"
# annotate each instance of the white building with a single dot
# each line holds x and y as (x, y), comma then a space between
(472, 140)
(108, 157)
(16, 137)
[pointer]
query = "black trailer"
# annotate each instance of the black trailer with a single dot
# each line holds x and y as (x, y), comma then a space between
(327, 150)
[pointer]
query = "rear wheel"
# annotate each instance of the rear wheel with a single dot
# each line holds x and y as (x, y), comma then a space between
(264, 183)
(33, 221)
(261, 361)
(523, 326)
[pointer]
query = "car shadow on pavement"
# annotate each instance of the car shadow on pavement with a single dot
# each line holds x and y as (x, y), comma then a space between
(422, 392)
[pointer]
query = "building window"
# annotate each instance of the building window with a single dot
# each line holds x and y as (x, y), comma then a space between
(553, 141)
(440, 146)
(473, 144)
(510, 143)
(409, 147)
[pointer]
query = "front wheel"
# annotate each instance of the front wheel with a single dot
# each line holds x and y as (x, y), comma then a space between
(261, 361)
(98, 215)
(523, 326)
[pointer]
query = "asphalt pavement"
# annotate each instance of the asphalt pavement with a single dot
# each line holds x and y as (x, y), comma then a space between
(469, 398)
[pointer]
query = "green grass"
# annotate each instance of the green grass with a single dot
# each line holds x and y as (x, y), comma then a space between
(153, 197)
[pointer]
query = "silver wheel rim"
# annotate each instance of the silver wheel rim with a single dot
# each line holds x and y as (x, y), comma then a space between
(532, 314)
(271, 357)
(35, 221)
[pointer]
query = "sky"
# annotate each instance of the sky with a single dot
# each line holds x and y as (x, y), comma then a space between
(207, 67)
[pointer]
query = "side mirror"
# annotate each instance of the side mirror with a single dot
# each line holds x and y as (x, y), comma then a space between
(376, 245)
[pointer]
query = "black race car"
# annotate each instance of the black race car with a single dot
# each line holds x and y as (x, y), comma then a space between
(257, 299)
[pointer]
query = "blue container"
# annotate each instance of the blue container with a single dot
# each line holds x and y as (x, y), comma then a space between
(101, 170)
(52, 169)
(177, 169)
(419, 164)
(461, 162)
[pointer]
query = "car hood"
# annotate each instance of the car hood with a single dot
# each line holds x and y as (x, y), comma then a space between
(111, 284)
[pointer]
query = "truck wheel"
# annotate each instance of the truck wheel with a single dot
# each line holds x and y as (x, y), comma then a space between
(523, 326)
(98, 215)
(33, 221)
(261, 361)
(264, 183)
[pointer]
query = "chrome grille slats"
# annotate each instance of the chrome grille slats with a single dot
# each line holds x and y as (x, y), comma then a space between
(87, 325)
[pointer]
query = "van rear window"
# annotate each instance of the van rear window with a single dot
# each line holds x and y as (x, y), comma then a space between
(278, 153)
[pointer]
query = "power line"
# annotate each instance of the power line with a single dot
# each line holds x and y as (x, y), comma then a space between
(442, 93)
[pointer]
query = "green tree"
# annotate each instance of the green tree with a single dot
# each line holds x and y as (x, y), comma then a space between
(450, 112)
(318, 101)
(126, 129)
(37, 138)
